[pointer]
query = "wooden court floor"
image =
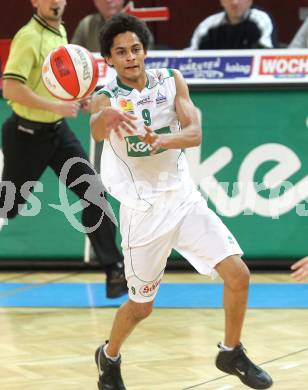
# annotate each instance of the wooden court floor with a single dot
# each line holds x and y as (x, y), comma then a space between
(174, 349)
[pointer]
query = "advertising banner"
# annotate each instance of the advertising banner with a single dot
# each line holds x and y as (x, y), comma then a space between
(227, 67)
(284, 66)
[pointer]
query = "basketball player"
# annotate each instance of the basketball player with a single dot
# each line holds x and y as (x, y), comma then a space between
(160, 208)
(37, 136)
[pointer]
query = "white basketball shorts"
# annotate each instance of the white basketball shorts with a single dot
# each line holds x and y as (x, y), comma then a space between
(188, 226)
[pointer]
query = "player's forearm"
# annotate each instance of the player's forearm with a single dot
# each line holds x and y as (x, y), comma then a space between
(16, 91)
(187, 138)
(98, 126)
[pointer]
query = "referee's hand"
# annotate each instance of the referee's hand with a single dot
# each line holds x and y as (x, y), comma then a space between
(67, 109)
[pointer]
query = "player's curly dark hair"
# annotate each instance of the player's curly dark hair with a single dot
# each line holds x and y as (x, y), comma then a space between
(119, 24)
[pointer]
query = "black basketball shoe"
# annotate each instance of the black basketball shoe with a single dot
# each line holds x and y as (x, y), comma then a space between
(109, 372)
(237, 363)
(116, 284)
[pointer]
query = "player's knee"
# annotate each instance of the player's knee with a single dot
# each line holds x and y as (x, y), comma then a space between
(142, 310)
(241, 281)
(244, 278)
(240, 277)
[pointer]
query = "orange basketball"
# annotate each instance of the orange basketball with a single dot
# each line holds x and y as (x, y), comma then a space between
(70, 72)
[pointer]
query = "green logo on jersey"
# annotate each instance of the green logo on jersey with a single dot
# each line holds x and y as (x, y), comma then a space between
(231, 240)
(137, 148)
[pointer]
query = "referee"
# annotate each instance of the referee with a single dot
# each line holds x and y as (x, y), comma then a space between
(37, 136)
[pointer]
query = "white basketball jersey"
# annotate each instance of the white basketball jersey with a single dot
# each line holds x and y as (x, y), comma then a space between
(133, 176)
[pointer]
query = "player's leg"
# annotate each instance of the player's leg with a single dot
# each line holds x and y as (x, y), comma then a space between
(90, 188)
(25, 157)
(143, 280)
(235, 275)
(107, 356)
(214, 249)
(232, 358)
(126, 319)
(210, 247)
(144, 268)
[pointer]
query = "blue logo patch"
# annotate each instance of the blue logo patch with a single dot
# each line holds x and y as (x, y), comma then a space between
(160, 98)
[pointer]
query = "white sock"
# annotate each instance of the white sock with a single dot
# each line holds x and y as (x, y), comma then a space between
(113, 359)
(224, 348)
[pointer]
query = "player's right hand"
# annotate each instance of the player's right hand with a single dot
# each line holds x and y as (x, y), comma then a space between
(118, 121)
(67, 109)
(151, 138)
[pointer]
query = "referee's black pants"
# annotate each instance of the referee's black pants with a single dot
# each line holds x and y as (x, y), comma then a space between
(28, 149)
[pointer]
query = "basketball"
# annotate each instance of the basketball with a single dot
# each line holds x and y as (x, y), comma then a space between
(70, 72)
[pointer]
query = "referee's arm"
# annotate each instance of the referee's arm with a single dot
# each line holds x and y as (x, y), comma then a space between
(19, 92)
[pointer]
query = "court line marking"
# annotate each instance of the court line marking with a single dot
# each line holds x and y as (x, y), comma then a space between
(20, 276)
(261, 364)
(190, 298)
(32, 286)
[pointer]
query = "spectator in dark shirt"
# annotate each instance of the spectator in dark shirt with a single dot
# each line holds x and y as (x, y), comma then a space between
(239, 26)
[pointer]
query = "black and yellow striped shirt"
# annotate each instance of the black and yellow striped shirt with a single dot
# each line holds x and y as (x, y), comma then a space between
(29, 48)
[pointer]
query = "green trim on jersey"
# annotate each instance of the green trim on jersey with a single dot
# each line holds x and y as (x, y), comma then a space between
(147, 82)
(104, 92)
(124, 86)
(116, 87)
(29, 48)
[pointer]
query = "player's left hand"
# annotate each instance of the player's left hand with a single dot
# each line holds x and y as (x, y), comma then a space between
(151, 138)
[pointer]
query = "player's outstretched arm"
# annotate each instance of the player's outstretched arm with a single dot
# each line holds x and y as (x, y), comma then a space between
(105, 118)
(300, 269)
(18, 92)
